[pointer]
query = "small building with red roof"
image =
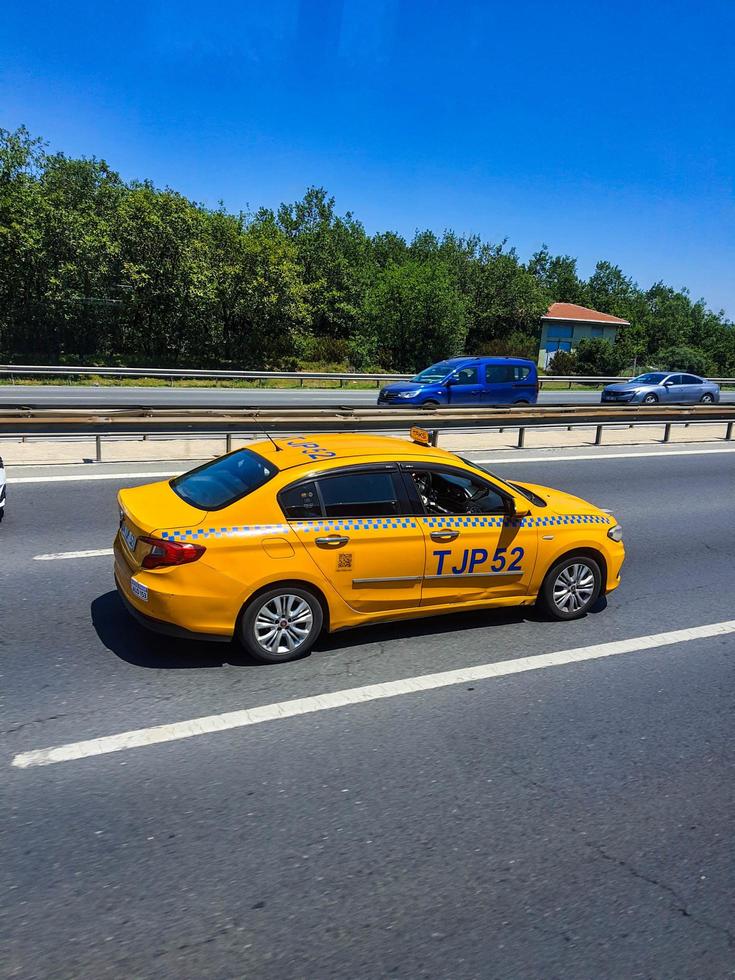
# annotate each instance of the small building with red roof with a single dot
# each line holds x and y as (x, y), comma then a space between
(565, 324)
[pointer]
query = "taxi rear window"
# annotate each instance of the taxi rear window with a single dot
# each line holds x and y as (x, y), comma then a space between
(223, 481)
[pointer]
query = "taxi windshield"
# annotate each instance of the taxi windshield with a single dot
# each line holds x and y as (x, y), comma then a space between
(223, 481)
(437, 372)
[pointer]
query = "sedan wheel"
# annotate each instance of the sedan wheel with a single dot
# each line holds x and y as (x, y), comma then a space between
(650, 399)
(707, 399)
(281, 625)
(571, 587)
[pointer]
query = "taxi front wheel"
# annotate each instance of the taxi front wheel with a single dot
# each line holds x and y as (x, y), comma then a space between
(281, 624)
(571, 586)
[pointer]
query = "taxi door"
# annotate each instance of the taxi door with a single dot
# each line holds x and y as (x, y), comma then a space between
(354, 525)
(475, 549)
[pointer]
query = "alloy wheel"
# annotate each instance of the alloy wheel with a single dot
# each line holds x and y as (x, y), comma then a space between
(283, 624)
(574, 587)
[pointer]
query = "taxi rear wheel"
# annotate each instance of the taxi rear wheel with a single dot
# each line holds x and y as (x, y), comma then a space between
(571, 587)
(281, 624)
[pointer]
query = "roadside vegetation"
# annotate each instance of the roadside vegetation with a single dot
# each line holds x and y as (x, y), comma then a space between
(95, 270)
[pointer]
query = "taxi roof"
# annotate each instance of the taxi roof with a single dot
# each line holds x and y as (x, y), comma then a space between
(304, 450)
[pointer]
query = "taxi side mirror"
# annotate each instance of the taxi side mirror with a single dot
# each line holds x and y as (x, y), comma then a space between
(520, 508)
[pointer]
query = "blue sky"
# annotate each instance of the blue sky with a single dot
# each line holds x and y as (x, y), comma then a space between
(605, 129)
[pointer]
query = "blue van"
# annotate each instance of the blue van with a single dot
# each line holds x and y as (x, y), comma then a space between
(481, 381)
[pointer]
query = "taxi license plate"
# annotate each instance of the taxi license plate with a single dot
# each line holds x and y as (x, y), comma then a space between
(139, 590)
(128, 537)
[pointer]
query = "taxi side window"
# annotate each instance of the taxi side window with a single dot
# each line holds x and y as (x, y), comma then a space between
(301, 503)
(444, 492)
(363, 494)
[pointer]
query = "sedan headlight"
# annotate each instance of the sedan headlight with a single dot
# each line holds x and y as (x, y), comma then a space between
(406, 394)
(615, 533)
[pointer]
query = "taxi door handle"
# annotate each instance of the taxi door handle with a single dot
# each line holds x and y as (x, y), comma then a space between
(333, 541)
(444, 535)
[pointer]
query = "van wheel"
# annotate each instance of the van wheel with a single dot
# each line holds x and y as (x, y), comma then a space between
(571, 586)
(281, 624)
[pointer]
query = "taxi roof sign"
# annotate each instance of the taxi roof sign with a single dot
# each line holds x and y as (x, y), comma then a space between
(421, 436)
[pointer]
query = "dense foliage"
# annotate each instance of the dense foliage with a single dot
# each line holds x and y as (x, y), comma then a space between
(97, 270)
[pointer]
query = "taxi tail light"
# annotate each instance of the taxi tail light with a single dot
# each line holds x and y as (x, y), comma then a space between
(163, 554)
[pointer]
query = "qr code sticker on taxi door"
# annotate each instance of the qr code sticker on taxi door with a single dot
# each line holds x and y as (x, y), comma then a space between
(344, 561)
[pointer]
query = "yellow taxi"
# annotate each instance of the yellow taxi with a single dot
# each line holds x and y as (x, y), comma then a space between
(277, 541)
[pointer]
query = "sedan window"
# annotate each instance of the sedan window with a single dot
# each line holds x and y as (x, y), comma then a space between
(692, 379)
(301, 503)
(648, 379)
(223, 481)
(358, 494)
(446, 492)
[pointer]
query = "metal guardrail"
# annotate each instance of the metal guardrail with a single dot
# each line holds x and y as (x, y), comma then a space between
(52, 424)
(12, 371)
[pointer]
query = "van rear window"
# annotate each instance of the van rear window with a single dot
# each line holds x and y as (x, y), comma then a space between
(223, 481)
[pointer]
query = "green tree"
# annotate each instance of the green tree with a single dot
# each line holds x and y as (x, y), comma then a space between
(558, 276)
(685, 359)
(413, 315)
(335, 257)
(99, 269)
(598, 356)
(506, 303)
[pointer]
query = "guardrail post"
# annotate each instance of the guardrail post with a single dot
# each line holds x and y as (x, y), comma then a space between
(598, 435)
(228, 442)
(667, 432)
(434, 437)
(728, 434)
(98, 449)
(521, 437)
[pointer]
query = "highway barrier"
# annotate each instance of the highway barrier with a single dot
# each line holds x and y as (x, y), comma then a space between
(192, 424)
(13, 371)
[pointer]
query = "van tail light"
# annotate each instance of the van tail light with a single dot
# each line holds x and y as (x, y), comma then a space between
(163, 554)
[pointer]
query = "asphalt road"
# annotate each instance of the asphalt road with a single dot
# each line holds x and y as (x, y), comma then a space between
(68, 396)
(566, 822)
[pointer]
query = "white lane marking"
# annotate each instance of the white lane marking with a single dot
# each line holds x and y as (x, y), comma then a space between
(60, 555)
(664, 454)
(73, 477)
(357, 695)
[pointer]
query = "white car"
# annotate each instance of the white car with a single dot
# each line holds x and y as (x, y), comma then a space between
(2, 489)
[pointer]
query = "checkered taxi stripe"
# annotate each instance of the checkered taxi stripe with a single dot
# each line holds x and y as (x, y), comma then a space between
(377, 524)
(437, 523)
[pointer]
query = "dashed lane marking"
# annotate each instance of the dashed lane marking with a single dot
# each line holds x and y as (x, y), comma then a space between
(357, 695)
(80, 477)
(660, 454)
(61, 555)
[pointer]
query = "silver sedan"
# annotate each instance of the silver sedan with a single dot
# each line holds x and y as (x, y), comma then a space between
(667, 388)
